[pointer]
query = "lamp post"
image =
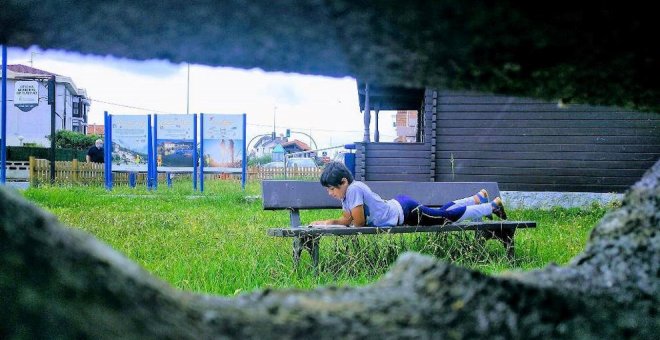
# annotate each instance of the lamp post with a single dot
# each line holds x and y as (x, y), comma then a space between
(274, 113)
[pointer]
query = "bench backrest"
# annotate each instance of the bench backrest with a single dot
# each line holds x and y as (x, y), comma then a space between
(311, 195)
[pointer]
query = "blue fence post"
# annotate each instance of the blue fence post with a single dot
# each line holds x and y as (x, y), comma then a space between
(244, 172)
(201, 153)
(195, 152)
(154, 163)
(169, 180)
(150, 146)
(131, 179)
(107, 162)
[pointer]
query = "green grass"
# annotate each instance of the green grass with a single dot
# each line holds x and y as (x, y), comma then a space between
(216, 242)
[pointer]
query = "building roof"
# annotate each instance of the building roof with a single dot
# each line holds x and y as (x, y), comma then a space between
(267, 140)
(391, 97)
(18, 68)
(301, 145)
(24, 72)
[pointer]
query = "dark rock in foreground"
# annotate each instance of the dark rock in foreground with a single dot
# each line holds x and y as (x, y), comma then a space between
(61, 282)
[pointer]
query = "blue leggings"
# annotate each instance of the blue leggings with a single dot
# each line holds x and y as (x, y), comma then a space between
(415, 213)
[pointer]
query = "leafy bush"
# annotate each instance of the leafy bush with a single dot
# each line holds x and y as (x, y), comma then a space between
(74, 140)
(23, 153)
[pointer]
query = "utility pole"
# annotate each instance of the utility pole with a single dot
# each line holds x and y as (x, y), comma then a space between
(188, 92)
(274, 113)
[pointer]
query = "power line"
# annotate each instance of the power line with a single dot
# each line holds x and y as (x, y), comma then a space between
(131, 107)
(307, 128)
(257, 125)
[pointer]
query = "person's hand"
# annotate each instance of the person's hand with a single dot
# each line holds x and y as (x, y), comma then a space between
(316, 223)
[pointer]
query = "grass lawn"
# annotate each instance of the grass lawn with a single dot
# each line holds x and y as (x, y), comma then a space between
(215, 242)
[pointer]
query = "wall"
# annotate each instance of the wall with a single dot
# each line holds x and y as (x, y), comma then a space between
(400, 161)
(34, 125)
(523, 144)
(533, 145)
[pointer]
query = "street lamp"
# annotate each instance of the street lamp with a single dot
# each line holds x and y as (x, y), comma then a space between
(188, 92)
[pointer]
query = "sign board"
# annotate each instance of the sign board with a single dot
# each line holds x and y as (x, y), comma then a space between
(26, 95)
(130, 143)
(223, 142)
(175, 142)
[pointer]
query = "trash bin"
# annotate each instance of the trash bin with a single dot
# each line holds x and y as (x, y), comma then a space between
(349, 158)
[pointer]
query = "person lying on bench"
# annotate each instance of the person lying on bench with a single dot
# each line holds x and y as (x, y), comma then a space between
(363, 207)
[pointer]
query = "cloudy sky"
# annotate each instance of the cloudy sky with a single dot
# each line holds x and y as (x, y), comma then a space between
(326, 108)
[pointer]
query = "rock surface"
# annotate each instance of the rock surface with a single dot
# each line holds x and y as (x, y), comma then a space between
(60, 282)
(57, 282)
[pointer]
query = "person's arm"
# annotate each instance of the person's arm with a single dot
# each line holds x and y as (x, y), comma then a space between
(89, 159)
(344, 219)
(357, 214)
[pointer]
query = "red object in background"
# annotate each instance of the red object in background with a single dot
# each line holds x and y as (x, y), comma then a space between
(325, 159)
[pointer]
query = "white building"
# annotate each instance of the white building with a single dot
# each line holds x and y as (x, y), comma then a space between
(264, 145)
(31, 124)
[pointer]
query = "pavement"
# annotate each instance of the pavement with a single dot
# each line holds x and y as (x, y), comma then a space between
(18, 185)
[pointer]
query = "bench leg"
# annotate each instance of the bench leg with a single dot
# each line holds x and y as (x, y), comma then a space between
(505, 236)
(510, 250)
(309, 243)
(312, 246)
(297, 250)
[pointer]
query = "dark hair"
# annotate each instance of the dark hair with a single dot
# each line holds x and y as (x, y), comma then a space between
(333, 173)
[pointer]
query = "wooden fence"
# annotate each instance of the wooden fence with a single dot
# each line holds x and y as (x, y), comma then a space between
(66, 172)
(259, 173)
(75, 172)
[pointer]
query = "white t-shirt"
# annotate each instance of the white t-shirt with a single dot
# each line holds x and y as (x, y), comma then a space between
(378, 212)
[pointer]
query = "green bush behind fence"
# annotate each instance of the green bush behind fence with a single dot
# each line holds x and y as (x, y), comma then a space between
(23, 153)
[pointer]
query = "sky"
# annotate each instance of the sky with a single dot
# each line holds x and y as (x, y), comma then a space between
(323, 107)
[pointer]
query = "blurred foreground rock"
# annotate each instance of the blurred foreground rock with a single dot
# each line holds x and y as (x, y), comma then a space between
(60, 282)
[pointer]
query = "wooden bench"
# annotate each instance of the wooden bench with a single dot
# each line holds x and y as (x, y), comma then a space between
(298, 195)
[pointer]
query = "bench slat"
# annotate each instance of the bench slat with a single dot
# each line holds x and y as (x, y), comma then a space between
(343, 230)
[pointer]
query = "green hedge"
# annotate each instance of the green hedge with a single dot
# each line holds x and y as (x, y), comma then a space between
(23, 153)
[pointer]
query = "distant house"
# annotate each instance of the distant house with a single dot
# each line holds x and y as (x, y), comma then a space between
(405, 123)
(264, 145)
(95, 129)
(278, 153)
(297, 146)
(28, 111)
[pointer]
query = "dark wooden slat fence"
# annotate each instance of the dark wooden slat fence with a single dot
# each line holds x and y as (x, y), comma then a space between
(534, 145)
(523, 144)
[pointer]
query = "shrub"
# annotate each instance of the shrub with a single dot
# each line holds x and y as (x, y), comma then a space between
(74, 140)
